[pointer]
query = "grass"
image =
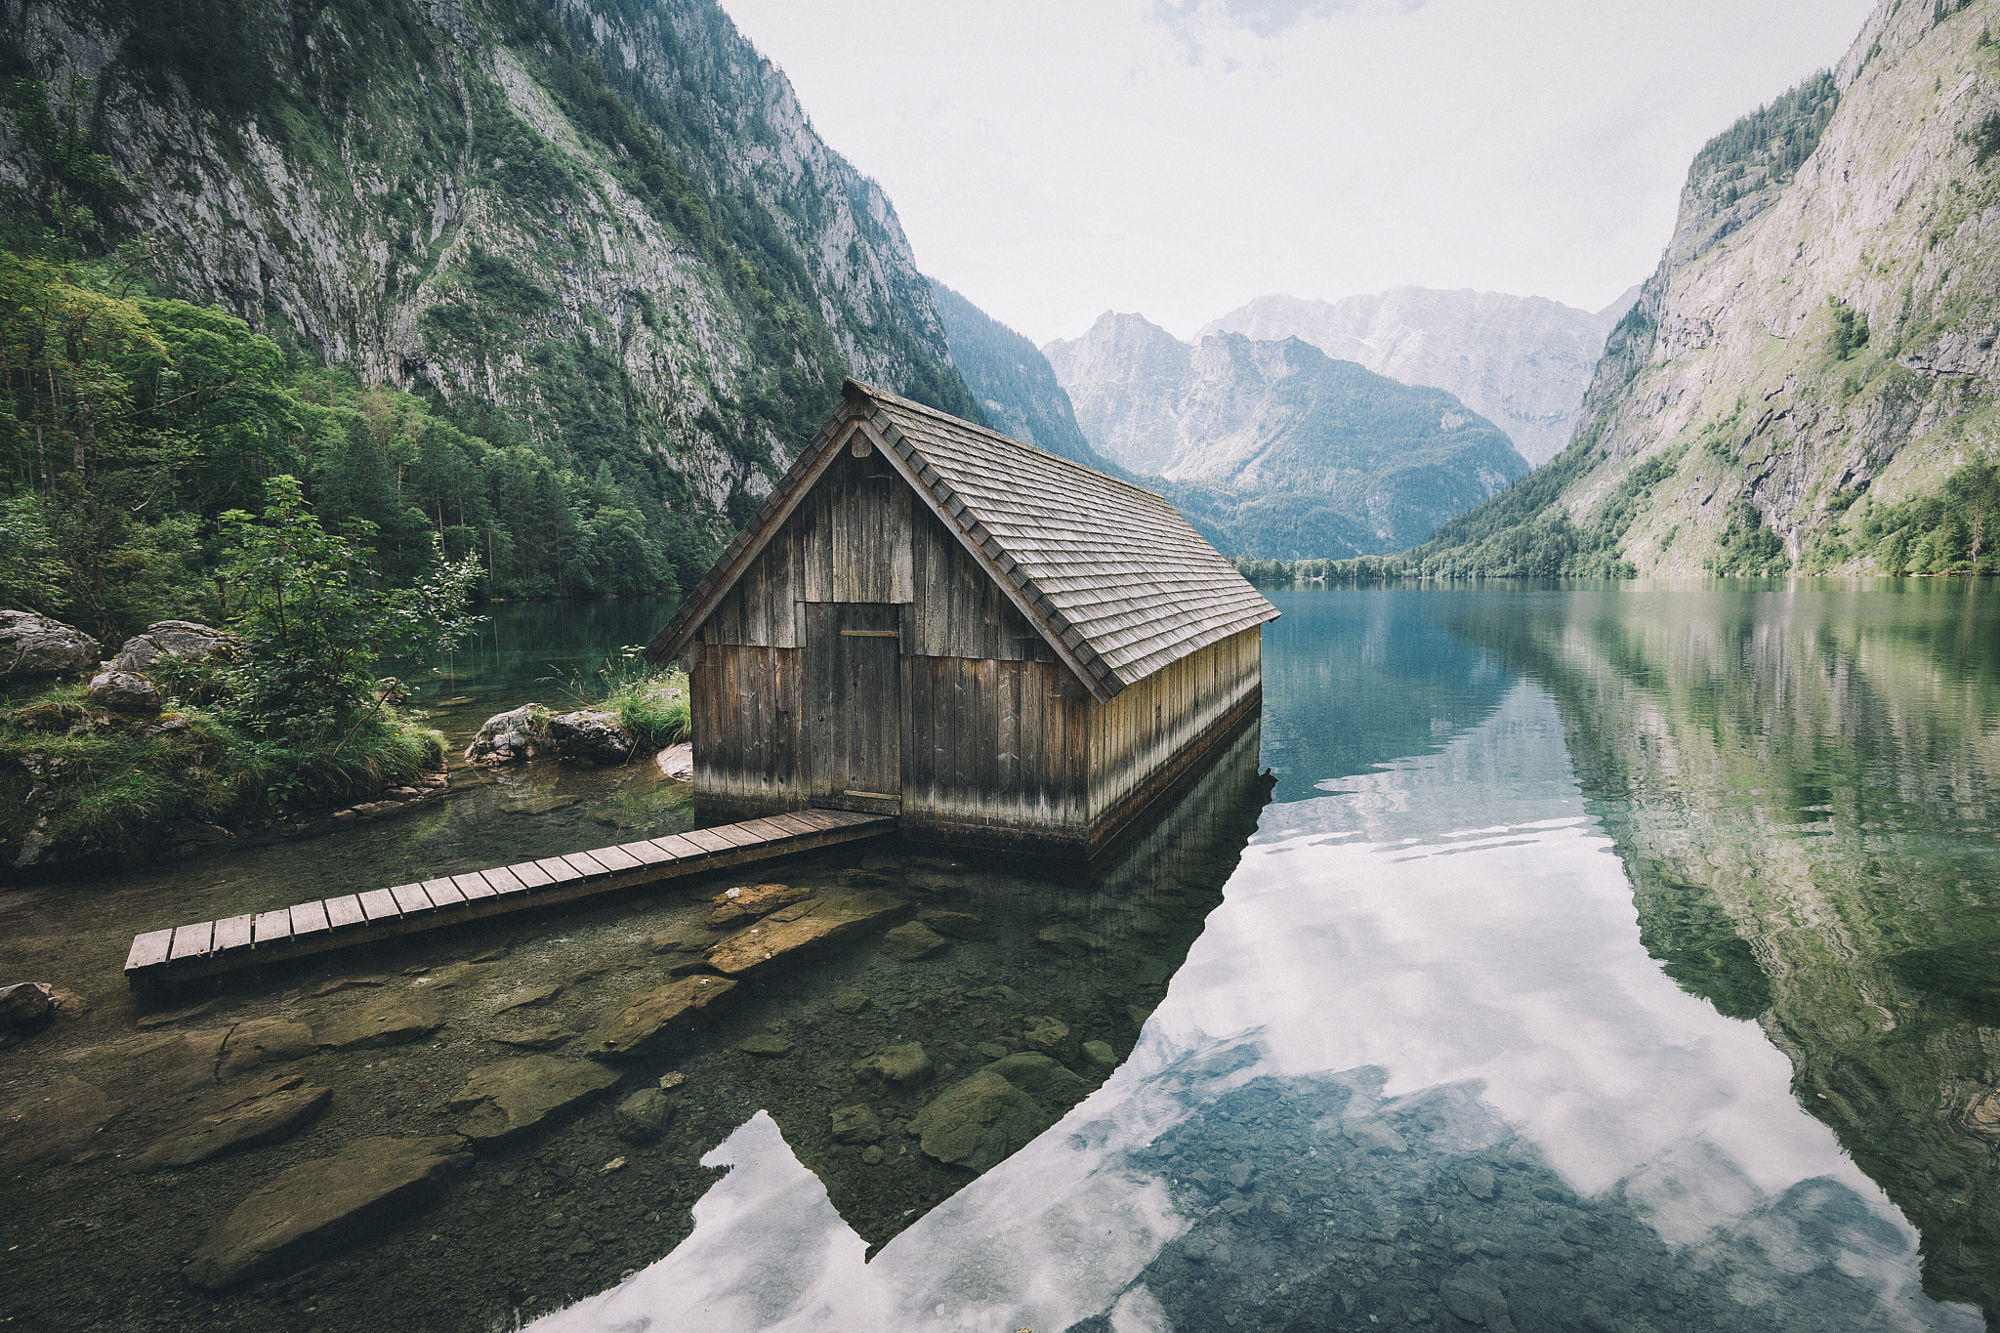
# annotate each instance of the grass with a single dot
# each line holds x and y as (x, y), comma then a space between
(651, 705)
(105, 788)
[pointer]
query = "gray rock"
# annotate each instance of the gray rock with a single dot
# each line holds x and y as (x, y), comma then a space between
(1041, 1078)
(25, 1005)
(311, 1206)
(677, 762)
(33, 646)
(851, 1001)
(262, 1112)
(124, 692)
(592, 735)
(1477, 1179)
(513, 1096)
(1100, 1053)
(184, 639)
(913, 940)
(956, 925)
(510, 737)
(765, 1043)
(643, 1116)
(856, 1124)
(906, 1063)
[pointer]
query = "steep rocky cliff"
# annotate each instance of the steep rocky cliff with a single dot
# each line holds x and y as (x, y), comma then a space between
(1274, 448)
(609, 219)
(1522, 362)
(1012, 381)
(1814, 360)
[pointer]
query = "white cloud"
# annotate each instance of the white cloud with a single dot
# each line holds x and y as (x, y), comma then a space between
(1052, 159)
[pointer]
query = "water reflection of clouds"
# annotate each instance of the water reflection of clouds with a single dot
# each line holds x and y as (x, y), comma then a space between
(1455, 922)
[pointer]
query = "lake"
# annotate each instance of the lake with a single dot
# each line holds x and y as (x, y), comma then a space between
(1593, 957)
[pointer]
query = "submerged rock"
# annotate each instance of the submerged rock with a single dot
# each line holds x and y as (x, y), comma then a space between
(592, 735)
(748, 902)
(982, 1120)
(913, 940)
(388, 1021)
(956, 925)
(856, 1124)
(906, 1063)
(800, 929)
(765, 1043)
(1069, 940)
(1045, 1032)
(124, 692)
(511, 1097)
(258, 1113)
(653, 1017)
(187, 640)
(263, 1041)
(643, 1116)
(33, 645)
(310, 1206)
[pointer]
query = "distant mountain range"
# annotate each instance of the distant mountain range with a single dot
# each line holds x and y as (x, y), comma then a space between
(1273, 447)
(1522, 362)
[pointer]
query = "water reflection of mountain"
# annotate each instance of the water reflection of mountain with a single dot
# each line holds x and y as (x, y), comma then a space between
(1802, 787)
(1354, 679)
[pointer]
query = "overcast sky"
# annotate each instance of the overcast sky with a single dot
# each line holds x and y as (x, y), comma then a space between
(1052, 159)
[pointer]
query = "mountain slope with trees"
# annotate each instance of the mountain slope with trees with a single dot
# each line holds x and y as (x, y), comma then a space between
(1807, 383)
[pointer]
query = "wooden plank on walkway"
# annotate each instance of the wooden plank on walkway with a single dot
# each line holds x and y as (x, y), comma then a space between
(308, 919)
(203, 948)
(233, 932)
(191, 941)
(345, 911)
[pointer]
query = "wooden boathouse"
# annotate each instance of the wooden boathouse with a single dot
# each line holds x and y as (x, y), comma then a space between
(931, 620)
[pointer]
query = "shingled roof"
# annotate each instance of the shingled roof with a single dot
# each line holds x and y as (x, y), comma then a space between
(1109, 572)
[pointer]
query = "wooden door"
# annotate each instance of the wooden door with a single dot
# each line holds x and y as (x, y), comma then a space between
(853, 705)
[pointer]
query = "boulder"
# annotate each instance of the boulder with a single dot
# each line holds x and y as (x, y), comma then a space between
(307, 1208)
(26, 1005)
(262, 1112)
(185, 639)
(748, 902)
(643, 1116)
(592, 735)
(513, 1096)
(913, 940)
(765, 1043)
(263, 1041)
(978, 1122)
(801, 929)
(58, 1123)
(677, 762)
(1069, 940)
(510, 737)
(1100, 1053)
(33, 646)
(1045, 1032)
(387, 1021)
(124, 692)
(907, 1063)
(982, 1120)
(655, 1016)
(957, 925)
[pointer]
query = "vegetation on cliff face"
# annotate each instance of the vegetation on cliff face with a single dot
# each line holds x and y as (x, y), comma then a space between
(560, 282)
(1807, 384)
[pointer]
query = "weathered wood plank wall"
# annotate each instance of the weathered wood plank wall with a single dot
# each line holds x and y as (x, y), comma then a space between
(996, 738)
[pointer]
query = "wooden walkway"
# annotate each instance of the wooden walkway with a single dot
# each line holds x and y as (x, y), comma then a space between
(205, 948)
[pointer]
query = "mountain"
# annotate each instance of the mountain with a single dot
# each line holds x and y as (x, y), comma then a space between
(1522, 362)
(604, 229)
(1276, 449)
(1012, 381)
(1807, 382)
